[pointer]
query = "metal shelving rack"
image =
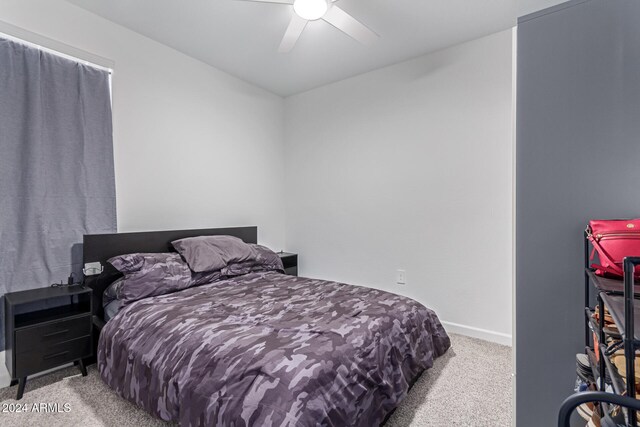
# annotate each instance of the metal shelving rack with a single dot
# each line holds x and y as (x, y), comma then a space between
(621, 298)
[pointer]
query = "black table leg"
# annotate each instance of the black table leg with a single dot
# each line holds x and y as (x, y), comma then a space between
(83, 368)
(13, 382)
(22, 383)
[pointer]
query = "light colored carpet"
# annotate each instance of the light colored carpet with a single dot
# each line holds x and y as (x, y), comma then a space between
(469, 386)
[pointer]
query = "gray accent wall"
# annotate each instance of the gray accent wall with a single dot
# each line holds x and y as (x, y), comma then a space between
(578, 158)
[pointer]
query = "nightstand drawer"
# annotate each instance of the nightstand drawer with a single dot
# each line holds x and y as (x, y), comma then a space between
(53, 355)
(41, 336)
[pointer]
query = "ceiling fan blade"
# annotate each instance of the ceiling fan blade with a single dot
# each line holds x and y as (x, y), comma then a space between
(292, 35)
(349, 25)
(271, 1)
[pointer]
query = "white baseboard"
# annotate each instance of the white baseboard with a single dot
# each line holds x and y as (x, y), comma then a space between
(483, 334)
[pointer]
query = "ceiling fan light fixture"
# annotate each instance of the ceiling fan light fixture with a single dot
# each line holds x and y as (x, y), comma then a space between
(310, 10)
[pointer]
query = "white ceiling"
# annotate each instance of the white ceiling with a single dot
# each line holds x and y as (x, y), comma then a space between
(242, 37)
(526, 7)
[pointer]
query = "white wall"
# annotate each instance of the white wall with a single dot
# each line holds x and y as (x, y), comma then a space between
(410, 167)
(405, 167)
(194, 147)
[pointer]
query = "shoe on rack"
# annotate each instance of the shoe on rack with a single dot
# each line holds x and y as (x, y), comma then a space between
(583, 368)
(612, 331)
(615, 418)
(582, 361)
(620, 362)
(586, 410)
(594, 421)
(580, 364)
(587, 378)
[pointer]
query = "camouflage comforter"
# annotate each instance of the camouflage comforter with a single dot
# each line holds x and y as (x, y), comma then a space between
(268, 349)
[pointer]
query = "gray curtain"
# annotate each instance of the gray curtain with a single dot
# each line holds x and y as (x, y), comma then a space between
(56, 166)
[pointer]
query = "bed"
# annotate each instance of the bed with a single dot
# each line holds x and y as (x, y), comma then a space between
(261, 348)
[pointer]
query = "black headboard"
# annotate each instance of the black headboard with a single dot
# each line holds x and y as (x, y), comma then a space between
(101, 247)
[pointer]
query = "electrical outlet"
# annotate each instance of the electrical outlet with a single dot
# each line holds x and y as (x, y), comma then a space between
(92, 268)
(401, 277)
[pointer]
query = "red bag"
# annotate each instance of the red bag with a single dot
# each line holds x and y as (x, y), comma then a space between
(614, 240)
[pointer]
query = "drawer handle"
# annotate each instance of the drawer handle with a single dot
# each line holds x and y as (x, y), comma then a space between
(55, 333)
(51, 356)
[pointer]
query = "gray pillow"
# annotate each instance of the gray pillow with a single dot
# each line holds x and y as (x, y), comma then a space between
(110, 302)
(111, 293)
(266, 260)
(212, 253)
(147, 275)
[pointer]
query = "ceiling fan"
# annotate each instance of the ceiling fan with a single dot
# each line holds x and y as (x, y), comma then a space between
(313, 10)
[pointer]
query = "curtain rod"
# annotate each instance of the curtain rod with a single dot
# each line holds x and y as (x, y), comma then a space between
(56, 53)
(23, 35)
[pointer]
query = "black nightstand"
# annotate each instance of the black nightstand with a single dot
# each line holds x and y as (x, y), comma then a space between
(46, 328)
(290, 262)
